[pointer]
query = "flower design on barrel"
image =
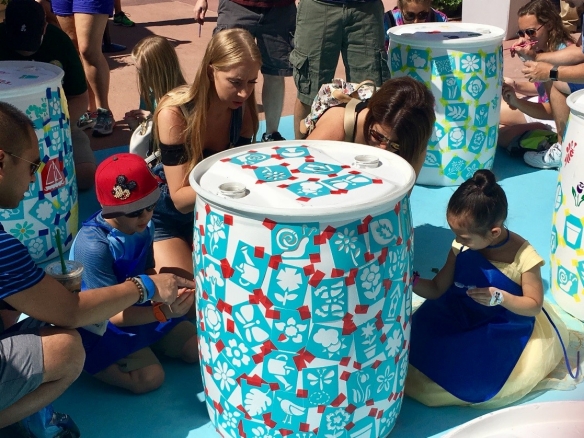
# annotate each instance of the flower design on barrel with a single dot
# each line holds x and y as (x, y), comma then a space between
(310, 329)
(465, 78)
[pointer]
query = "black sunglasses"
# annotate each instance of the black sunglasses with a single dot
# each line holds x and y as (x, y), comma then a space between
(137, 213)
(530, 32)
(382, 139)
(34, 167)
(411, 16)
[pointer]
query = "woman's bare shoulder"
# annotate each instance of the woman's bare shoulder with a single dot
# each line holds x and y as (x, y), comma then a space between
(330, 125)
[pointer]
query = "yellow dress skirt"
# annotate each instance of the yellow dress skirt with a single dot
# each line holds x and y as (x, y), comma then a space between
(540, 356)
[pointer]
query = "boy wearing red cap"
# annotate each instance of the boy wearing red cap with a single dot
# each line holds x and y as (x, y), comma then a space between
(113, 245)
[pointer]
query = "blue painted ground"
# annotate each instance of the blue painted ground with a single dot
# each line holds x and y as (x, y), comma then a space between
(175, 411)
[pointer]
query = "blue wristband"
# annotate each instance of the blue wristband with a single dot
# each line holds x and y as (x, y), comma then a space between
(148, 285)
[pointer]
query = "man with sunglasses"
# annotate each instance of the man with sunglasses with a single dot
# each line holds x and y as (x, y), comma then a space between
(39, 362)
(566, 69)
(115, 244)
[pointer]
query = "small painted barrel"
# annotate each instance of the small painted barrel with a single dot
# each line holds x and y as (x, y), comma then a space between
(567, 257)
(462, 64)
(51, 203)
(303, 260)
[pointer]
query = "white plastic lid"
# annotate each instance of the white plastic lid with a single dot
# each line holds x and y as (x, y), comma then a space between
(576, 102)
(310, 178)
(452, 35)
(16, 76)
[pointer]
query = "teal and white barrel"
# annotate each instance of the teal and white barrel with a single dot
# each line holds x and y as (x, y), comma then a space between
(462, 64)
(303, 263)
(567, 250)
(51, 203)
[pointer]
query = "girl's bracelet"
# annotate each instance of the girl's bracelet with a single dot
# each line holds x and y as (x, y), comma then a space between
(496, 298)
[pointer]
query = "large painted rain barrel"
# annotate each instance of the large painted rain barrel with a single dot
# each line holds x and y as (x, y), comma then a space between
(567, 252)
(51, 203)
(462, 64)
(303, 260)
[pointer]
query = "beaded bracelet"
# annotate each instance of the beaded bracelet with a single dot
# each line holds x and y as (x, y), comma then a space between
(138, 284)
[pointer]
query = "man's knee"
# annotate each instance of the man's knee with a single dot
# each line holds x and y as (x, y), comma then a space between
(63, 354)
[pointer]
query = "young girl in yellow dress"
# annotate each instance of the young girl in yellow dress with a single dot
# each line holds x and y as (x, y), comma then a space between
(481, 337)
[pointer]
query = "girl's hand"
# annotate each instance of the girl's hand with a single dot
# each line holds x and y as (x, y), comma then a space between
(483, 295)
(135, 117)
(524, 49)
(509, 96)
(509, 81)
(181, 305)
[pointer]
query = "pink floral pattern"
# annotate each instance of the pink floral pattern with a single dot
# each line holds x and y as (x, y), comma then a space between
(570, 151)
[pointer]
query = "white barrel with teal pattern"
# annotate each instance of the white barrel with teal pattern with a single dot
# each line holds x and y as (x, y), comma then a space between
(51, 202)
(303, 262)
(462, 64)
(567, 253)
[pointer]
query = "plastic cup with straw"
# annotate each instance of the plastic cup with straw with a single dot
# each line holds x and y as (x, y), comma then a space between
(60, 249)
(67, 272)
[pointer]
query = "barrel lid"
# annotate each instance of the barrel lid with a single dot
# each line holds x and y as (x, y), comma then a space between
(303, 178)
(16, 76)
(453, 35)
(576, 102)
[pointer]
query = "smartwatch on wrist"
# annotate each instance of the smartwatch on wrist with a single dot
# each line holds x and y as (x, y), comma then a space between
(554, 73)
(158, 313)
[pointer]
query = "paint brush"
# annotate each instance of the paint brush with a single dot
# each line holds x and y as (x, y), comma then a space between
(525, 44)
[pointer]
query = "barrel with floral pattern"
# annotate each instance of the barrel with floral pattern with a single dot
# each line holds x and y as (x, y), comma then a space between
(462, 64)
(303, 264)
(51, 202)
(567, 255)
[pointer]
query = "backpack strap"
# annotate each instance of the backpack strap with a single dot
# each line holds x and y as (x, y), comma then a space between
(350, 118)
(185, 112)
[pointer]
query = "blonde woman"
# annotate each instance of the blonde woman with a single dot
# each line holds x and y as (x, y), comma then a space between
(159, 72)
(217, 112)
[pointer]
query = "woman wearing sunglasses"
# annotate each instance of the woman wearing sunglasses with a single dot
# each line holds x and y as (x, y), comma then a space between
(541, 30)
(398, 117)
(409, 12)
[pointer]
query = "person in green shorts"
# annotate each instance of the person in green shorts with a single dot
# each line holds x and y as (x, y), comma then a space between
(327, 28)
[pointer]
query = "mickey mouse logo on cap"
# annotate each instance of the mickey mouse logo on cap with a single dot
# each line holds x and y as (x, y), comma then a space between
(123, 188)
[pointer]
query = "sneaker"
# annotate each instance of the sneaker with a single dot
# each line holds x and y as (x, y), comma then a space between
(550, 159)
(87, 120)
(47, 423)
(104, 124)
(121, 19)
(274, 136)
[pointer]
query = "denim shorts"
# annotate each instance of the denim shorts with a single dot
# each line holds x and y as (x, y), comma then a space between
(65, 8)
(168, 221)
(326, 30)
(273, 29)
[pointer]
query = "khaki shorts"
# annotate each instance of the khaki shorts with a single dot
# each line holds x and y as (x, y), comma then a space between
(324, 31)
(171, 345)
